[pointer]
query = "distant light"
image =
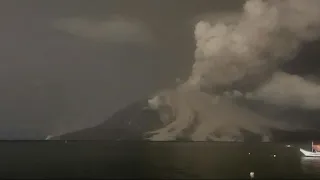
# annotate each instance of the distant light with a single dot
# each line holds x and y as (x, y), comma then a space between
(288, 145)
(65, 141)
(249, 153)
(274, 155)
(251, 175)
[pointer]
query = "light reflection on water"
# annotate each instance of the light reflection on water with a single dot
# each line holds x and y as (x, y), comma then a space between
(310, 165)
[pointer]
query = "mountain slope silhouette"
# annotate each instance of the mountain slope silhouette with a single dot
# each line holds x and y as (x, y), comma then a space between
(133, 121)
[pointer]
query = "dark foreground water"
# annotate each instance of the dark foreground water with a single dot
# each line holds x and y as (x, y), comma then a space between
(201, 160)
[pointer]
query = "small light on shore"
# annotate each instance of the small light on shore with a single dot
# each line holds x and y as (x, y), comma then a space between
(249, 153)
(251, 175)
(274, 155)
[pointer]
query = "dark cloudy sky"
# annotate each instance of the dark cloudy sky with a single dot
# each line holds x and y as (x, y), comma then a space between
(67, 65)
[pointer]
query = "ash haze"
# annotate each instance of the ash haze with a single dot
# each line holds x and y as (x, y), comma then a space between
(249, 46)
(68, 65)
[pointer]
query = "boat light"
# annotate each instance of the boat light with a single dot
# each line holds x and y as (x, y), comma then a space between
(251, 175)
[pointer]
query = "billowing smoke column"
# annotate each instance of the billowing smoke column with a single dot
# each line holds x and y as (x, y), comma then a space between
(247, 49)
(288, 90)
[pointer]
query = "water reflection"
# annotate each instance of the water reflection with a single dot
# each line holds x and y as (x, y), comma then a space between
(310, 165)
(187, 160)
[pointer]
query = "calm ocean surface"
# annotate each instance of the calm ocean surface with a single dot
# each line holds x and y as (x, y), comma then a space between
(201, 160)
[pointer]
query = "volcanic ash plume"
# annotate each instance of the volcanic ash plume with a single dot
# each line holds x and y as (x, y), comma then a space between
(247, 50)
(288, 90)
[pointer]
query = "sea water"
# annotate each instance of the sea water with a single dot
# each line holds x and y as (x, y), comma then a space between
(174, 160)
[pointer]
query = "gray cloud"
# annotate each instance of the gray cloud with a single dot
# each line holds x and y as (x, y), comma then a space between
(115, 29)
(289, 90)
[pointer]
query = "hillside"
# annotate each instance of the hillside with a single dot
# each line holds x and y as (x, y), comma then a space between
(133, 121)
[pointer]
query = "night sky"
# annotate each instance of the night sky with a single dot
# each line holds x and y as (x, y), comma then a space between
(68, 65)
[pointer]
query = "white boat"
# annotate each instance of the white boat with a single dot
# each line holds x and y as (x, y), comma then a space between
(313, 153)
(309, 153)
